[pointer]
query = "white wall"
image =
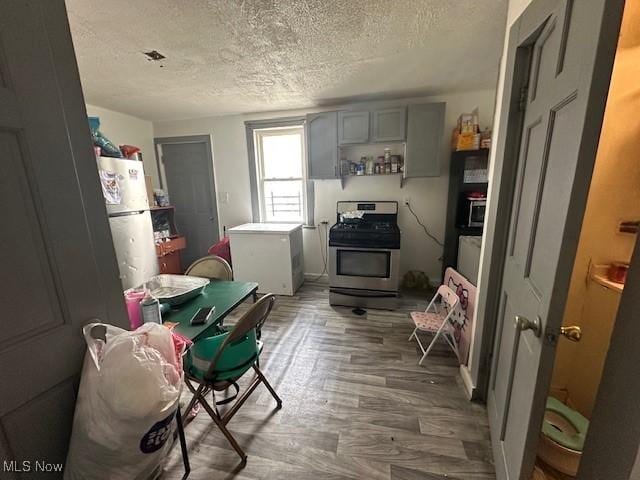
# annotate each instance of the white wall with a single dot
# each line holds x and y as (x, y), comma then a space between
(428, 196)
(124, 129)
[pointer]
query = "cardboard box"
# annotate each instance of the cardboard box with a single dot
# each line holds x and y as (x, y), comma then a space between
(150, 197)
(468, 141)
(469, 123)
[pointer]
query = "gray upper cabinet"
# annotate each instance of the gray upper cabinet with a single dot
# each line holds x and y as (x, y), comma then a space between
(424, 140)
(389, 125)
(353, 127)
(322, 145)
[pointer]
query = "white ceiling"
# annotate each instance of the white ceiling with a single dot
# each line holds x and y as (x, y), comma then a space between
(237, 56)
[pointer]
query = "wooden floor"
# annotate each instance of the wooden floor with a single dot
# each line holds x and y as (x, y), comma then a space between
(356, 404)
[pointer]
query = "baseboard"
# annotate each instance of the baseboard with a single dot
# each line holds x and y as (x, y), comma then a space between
(316, 278)
(467, 381)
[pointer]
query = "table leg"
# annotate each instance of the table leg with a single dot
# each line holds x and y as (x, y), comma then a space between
(183, 444)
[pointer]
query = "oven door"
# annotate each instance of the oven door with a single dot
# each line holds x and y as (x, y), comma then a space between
(364, 268)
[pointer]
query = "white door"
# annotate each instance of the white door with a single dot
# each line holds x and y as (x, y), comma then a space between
(560, 71)
(58, 265)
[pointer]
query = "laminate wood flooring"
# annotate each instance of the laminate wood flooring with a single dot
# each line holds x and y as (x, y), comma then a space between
(356, 405)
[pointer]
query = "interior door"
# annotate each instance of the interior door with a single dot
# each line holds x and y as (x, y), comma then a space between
(189, 175)
(58, 265)
(558, 72)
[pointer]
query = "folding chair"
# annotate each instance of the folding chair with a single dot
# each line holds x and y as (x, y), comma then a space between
(436, 321)
(211, 267)
(216, 363)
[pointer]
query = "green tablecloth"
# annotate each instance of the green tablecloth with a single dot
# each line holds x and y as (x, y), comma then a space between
(224, 295)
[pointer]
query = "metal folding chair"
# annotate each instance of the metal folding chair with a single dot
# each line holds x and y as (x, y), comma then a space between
(238, 353)
(436, 321)
(210, 266)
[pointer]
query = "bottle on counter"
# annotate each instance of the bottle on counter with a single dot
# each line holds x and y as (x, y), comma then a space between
(387, 160)
(395, 163)
(150, 308)
(370, 166)
(344, 167)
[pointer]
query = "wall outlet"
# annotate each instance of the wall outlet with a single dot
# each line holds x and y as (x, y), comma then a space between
(224, 197)
(406, 200)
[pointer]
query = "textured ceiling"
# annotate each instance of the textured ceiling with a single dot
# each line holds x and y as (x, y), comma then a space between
(226, 56)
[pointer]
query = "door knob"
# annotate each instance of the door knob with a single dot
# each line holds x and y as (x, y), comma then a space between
(573, 333)
(523, 323)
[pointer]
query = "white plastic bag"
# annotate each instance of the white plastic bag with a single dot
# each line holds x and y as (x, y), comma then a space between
(129, 392)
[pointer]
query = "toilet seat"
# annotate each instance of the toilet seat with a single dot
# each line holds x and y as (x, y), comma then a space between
(569, 429)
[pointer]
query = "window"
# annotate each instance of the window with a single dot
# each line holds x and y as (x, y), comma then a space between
(280, 172)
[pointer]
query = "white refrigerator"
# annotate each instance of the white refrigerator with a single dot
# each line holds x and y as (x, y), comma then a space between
(125, 193)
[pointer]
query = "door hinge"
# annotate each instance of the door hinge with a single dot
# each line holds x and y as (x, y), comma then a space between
(522, 101)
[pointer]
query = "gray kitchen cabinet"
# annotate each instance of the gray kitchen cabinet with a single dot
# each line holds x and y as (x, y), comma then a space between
(353, 127)
(424, 140)
(389, 125)
(322, 145)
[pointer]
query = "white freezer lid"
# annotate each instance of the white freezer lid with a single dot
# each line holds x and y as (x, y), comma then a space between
(276, 228)
(474, 240)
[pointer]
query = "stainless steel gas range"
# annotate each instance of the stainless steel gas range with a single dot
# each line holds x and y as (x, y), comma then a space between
(364, 255)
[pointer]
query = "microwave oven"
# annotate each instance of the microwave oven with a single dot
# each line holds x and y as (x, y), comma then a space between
(476, 209)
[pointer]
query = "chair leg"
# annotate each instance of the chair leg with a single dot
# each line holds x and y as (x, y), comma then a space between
(268, 385)
(433, 342)
(194, 399)
(216, 418)
(412, 333)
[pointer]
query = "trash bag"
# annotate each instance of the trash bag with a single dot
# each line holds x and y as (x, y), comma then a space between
(107, 147)
(128, 397)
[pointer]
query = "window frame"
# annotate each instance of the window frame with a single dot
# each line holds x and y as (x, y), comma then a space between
(258, 135)
(255, 168)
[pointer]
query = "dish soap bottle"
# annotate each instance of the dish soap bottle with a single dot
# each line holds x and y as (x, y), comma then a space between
(150, 307)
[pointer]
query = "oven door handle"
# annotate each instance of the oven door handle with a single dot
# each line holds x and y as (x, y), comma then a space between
(363, 293)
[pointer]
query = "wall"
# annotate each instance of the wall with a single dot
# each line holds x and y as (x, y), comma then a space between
(614, 195)
(427, 195)
(124, 129)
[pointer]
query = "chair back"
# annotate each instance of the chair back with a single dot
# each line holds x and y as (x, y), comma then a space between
(253, 319)
(212, 267)
(449, 298)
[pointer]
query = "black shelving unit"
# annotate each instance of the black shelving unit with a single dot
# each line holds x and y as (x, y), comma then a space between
(457, 204)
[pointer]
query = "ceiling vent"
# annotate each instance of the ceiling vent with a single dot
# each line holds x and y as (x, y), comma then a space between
(154, 55)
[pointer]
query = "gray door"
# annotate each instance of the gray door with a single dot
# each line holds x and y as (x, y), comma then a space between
(188, 168)
(554, 58)
(322, 145)
(58, 265)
